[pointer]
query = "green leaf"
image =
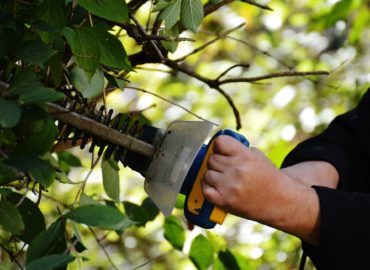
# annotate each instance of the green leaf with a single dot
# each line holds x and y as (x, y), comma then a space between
(44, 174)
(42, 138)
(11, 219)
(84, 47)
(86, 200)
(151, 209)
(171, 14)
(27, 86)
(56, 69)
(359, 25)
(88, 86)
(45, 242)
(136, 213)
(50, 262)
(8, 174)
(35, 52)
(226, 260)
(191, 14)
(67, 160)
(180, 201)
(174, 232)
(33, 219)
(161, 4)
(112, 52)
(170, 46)
(25, 81)
(40, 170)
(53, 13)
(110, 174)
(101, 216)
(41, 95)
(7, 137)
(329, 17)
(10, 113)
(201, 252)
(79, 247)
(9, 40)
(113, 10)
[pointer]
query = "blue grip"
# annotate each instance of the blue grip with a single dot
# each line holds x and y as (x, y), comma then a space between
(202, 219)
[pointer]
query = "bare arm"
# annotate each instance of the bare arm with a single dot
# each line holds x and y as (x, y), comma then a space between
(314, 173)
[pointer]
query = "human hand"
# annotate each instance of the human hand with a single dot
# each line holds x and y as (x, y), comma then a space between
(244, 182)
(238, 178)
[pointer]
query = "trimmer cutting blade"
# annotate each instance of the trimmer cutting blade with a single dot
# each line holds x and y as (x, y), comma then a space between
(172, 161)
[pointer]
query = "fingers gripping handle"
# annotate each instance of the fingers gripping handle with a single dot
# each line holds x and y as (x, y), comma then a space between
(198, 210)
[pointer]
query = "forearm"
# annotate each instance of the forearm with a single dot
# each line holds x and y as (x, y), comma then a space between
(295, 208)
(292, 207)
(314, 173)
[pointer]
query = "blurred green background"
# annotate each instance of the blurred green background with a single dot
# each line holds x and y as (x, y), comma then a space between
(276, 114)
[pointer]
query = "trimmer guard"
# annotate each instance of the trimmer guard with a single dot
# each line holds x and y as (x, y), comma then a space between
(172, 161)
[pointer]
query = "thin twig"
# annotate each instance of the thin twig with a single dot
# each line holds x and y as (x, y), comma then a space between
(212, 7)
(154, 69)
(152, 42)
(212, 84)
(259, 50)
(168, 38)
(145, 109)
(171, 102)
(150, 261)
(11, 256)
(289, 73)
(202, 47)
(103, 248)
(230, 68)
(253, 3)
(81, 189)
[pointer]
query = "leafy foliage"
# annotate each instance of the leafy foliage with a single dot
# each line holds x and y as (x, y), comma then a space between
(94, 51)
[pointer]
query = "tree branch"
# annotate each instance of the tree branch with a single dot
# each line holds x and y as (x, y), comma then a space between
(211, 83)
(212, 7)
(103, 248)
(169, 101)
(11, 256)
(253, 3)
(289, 73)
(259, 50)
(152, 42)
(202, 47)
(230, 68)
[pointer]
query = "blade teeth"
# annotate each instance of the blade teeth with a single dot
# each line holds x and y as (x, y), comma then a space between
(122, 123)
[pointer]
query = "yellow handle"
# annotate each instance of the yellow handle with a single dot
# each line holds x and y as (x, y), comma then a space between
(196, 198)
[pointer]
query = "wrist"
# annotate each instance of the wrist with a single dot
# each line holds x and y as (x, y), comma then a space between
(293, 207)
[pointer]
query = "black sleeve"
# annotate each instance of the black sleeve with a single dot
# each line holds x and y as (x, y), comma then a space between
(344, 213)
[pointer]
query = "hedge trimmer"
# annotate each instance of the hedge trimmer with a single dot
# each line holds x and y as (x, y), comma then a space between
(172, 160)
